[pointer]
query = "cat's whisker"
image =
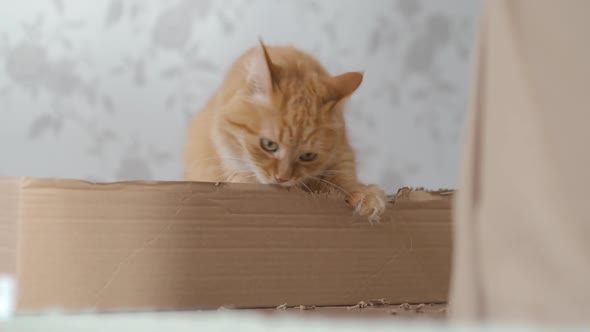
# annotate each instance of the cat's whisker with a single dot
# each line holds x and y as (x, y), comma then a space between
(334, 171)
(240, 173)
(332, 184)
(307, 187)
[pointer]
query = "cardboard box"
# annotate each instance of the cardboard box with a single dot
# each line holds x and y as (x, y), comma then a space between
(181, 245)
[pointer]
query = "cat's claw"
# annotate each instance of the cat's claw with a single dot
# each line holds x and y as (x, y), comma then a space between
(368, 202)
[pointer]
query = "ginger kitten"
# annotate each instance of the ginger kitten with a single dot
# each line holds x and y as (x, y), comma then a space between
(277, 119)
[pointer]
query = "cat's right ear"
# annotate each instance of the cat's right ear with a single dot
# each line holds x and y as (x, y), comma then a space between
(261, 73)
(342, 86)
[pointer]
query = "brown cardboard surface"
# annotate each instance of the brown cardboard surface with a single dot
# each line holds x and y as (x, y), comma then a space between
(181, 245)
(8, 223)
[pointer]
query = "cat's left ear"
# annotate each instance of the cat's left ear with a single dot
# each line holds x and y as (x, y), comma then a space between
(343, 85)
(261, 72)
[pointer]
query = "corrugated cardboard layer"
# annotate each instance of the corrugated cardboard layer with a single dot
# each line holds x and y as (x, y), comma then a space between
(179, 245)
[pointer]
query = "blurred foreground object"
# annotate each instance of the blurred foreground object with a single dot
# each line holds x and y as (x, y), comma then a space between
(522, 215)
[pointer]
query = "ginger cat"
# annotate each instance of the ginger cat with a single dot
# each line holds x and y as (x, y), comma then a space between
(278, 119)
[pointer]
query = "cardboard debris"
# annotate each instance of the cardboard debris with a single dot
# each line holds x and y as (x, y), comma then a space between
(178, 245)
(370, 304)
(377, 302)
(360, 305)
(305, 307)
(405, 306)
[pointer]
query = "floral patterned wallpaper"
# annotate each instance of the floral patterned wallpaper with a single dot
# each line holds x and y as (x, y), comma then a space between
(103, 90)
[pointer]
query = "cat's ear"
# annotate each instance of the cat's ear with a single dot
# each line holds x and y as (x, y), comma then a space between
(343, 85)
(261, 72)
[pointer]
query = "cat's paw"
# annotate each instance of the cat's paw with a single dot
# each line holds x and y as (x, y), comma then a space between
(368, 201)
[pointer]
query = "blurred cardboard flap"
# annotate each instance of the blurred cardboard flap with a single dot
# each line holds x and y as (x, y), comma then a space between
(78, 245)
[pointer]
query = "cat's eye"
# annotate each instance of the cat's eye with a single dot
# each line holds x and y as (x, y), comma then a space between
(308, 156)
(268, 145)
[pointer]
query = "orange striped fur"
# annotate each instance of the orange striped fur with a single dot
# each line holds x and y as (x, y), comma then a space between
(278, 118)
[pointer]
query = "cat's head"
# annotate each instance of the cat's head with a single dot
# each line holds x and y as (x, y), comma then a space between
(287, 125)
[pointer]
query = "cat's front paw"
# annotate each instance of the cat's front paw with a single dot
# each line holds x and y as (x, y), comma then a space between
(369, 202)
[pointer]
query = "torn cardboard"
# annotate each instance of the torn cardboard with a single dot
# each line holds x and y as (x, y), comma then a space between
(181, 245)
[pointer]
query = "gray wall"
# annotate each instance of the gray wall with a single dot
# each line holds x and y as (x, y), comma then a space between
(103, 89)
